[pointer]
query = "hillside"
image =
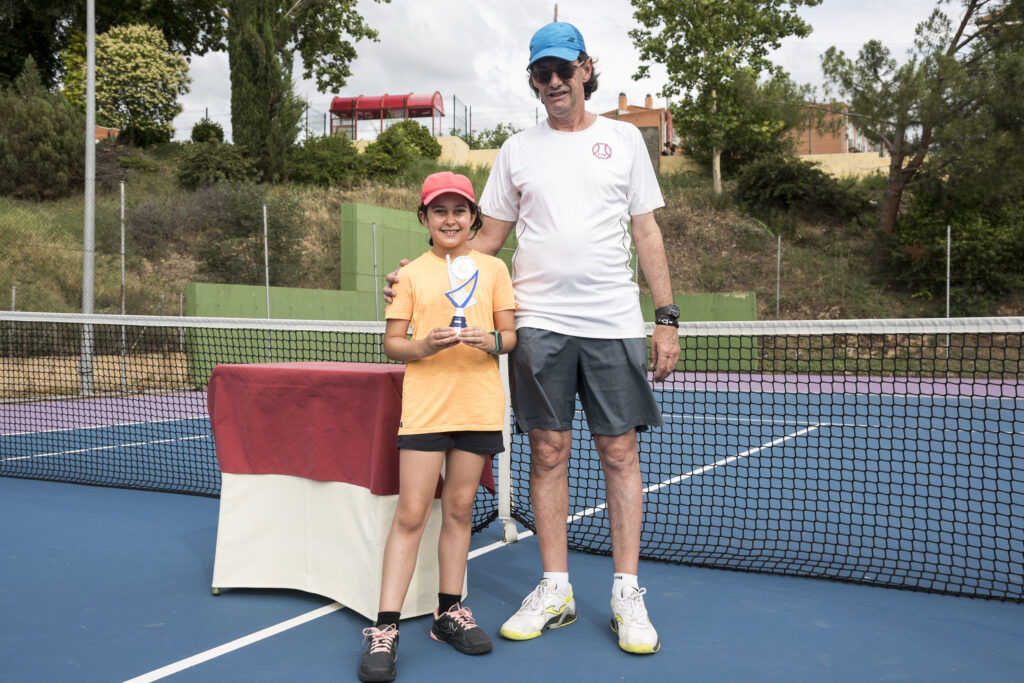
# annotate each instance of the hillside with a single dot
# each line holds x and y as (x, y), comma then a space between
(826, 268)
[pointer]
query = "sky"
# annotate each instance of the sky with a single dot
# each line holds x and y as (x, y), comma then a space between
(477, 50)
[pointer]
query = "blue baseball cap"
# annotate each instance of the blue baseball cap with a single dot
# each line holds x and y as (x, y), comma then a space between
(557, 39)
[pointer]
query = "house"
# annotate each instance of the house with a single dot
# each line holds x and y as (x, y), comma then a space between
(655, 124)
(839, 133)
(104, 133)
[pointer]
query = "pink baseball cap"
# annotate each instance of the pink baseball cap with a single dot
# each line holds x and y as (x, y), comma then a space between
(437, 184)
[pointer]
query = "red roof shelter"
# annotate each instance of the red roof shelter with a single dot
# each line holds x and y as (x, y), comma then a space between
(347, 112)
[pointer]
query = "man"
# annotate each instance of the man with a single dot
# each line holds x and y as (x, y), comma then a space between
(575, 184)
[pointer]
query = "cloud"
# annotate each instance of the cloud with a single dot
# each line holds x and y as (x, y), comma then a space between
(477, 52)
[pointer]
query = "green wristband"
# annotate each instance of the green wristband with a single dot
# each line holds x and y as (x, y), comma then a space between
(497, 341)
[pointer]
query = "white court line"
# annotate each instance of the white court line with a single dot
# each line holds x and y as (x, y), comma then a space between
(700, 470)
(212, 653)
(107, 426)
(726, 461)
(238, 643)
(497, 544)
(104, 448)
(739, 419)
(789, 422)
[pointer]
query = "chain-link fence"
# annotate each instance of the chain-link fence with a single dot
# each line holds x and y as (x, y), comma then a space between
(149, 246)
(173, 238)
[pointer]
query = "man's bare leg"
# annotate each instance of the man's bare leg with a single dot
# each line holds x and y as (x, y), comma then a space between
(624, 485)
(549, 494)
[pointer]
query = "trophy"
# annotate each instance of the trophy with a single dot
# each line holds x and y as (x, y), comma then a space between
(463, 270)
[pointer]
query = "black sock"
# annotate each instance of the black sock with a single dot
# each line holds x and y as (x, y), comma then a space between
(386, 618)
(445, 601)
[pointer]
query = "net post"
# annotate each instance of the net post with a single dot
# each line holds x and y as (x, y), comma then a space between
(266, 278)
(509, 532)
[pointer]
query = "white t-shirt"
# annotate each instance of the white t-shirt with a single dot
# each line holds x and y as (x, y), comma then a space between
(572, 195)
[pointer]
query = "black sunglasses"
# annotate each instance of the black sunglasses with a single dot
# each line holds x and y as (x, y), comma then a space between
(543, 74)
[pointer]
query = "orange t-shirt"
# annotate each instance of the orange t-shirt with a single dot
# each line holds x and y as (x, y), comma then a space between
(458, 388)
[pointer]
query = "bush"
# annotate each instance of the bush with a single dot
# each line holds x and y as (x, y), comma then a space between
(396, 147)
(164, 224)
(231, 246)
(206, 163)
(785, 184)
(986, 259)
(42, 140)
(415, 171)
(145, 136)
(207, 131)
(327, 161)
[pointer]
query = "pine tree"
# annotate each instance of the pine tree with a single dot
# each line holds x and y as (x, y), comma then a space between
(42, 140)
(265, 112)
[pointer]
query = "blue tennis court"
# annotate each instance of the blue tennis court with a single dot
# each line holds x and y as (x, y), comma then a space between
(113, 585)
(883, 459)
(853, 486)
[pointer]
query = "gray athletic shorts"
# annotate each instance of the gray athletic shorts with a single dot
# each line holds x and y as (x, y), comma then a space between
(547, 370)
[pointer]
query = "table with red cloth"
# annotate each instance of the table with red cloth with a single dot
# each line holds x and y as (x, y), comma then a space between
(310, 479)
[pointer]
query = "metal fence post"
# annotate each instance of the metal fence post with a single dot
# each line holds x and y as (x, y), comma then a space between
(778, 275)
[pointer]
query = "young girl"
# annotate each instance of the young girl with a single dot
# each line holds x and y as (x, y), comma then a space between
(462, 312)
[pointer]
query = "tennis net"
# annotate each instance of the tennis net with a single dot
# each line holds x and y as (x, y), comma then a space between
(883, 452)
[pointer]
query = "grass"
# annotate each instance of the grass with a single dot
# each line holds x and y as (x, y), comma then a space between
(826, 269)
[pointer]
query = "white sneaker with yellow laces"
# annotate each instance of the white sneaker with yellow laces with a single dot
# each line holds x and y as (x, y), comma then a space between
(542, 609)
(631, 623)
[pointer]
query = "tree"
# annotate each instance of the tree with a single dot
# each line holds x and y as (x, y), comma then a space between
(42, 140)
(909, 108)
(231, 247)
(492, 138)
(265, 112)
(328, 161)
(206, 130)
(978, 160)
(323, 32)
(772, 113)
(138, 82)
(397, 147)
(212, 162)
(263, 36)
(704, 45)
(45, 29)
(320, 31)
(972, 180)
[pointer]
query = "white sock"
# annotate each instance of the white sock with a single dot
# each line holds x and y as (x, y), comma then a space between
(622, 581)
(561, 581)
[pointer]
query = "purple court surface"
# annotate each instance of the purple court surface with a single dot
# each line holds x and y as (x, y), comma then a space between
(42, 416)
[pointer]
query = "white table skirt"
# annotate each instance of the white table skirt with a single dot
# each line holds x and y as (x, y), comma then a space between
(281, 531)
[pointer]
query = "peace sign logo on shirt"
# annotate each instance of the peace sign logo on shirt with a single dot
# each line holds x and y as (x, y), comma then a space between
(602, 150)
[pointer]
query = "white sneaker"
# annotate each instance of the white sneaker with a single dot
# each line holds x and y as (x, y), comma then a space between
(542, 609)
(631, 623)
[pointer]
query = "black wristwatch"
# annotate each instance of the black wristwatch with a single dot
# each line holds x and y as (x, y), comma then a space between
(667, 315)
